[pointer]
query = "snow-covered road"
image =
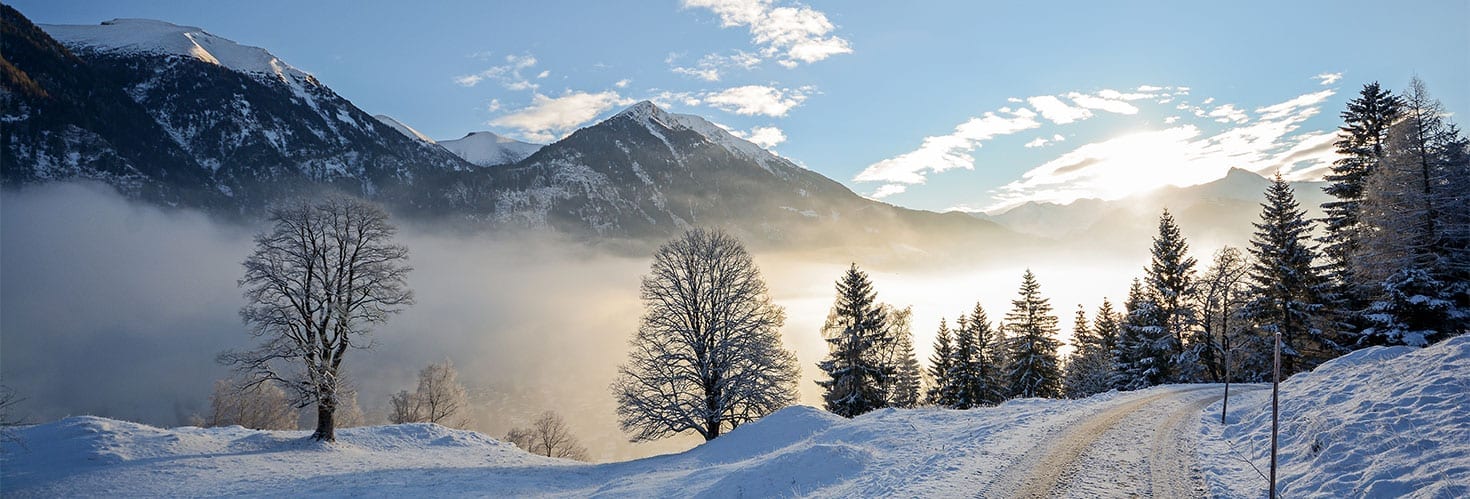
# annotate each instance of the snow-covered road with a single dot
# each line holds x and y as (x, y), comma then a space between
(1138, 446)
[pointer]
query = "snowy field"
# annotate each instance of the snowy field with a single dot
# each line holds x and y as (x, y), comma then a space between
(1381, 422)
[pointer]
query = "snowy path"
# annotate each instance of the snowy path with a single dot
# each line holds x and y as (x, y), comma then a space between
(1139, 447)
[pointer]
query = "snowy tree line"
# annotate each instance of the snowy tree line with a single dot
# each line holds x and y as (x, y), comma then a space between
(1388, 266)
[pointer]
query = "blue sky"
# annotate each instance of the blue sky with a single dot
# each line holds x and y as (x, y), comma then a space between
(930, 105)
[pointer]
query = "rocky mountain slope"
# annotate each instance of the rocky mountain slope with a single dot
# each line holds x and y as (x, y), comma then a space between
(192, 119)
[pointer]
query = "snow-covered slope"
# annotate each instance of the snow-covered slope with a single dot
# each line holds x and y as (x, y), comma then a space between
(403, 128)
(489, 149)
(148, 36)
(1382, 422)
(1378, 422)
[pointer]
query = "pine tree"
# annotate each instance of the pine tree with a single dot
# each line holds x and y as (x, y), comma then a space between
(903, 387)
(1105, 326)
(1170, 280)
(986, 384)
(855, 337)
(939, 366)
(1360, 147)
(1142, 356)
(1284, 283)
(1415, 242)
(960, 393)
(1089, 368)
(1033, 345)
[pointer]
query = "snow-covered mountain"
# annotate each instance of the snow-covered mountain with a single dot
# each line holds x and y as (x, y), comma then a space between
(489, 149)
(193, 119)
(403, 128)
(1220, 211)
(175, 114)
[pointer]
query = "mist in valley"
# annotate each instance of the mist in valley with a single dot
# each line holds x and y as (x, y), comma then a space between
(115, 308)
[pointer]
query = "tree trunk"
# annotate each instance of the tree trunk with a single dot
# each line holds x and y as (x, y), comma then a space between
(326, 428)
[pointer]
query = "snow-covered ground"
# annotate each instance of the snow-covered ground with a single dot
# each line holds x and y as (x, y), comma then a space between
(1379, 422)
(1386, 422)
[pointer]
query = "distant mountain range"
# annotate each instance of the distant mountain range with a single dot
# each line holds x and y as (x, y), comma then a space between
(1218, 212)
(175, 115)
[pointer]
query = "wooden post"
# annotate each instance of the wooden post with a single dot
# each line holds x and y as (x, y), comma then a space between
(1275, 409)
(1225, 353)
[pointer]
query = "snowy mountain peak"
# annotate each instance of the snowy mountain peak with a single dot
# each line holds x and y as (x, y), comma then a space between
(162, 38)
(654, 117)
(403, 128)
(489, 149)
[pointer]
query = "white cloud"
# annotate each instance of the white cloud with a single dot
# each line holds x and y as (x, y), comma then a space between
(508, 74)
(1044, 141)
(1228, 114)
(1056, 111)
(764, 136)
(712, 66)
(756, 99)
(1284, 109)
(1102, 103)
(790, 34)
(623, 83)
(543, 74)
(549, 118)
(493, 106)
(1328, 78)
(947, 152)
(886, 190)
(706, 74)
(1149, 88)
(1182, 155)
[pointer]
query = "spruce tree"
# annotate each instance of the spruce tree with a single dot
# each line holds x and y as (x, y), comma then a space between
(1089, 368)
(939, 365)
(1360, 148)
(1283, 282)
(855, 338)
(960, 393)
(1142, 356)
(1033, 345)
(1414, 213)
(986, 384)
(1170, 279)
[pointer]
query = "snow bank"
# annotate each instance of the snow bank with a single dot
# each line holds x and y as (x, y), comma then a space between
(1379, 422)
(795, 451)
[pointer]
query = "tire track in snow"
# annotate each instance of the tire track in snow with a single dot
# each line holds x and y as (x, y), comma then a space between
(1042, 470)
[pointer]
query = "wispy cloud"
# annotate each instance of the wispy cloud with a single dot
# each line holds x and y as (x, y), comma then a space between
(1053, 109)
(951, 151)
(712, 66)
(886, 190)
(791, 34)
(755, 99)
(550, 118)
(508, 74)
(764, 136)
(1328, 78)
(1044, 141)
(1182, 155)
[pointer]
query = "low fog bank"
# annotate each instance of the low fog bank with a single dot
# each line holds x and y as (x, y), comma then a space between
(118, 309)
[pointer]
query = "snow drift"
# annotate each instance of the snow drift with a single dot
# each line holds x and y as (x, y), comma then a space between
(1378, 422)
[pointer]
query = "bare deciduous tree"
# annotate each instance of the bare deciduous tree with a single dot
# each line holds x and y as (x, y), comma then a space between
(8, 418)
(707, 356)
(548, 436)
(252, 405)
(439, 399)
(324, 273)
